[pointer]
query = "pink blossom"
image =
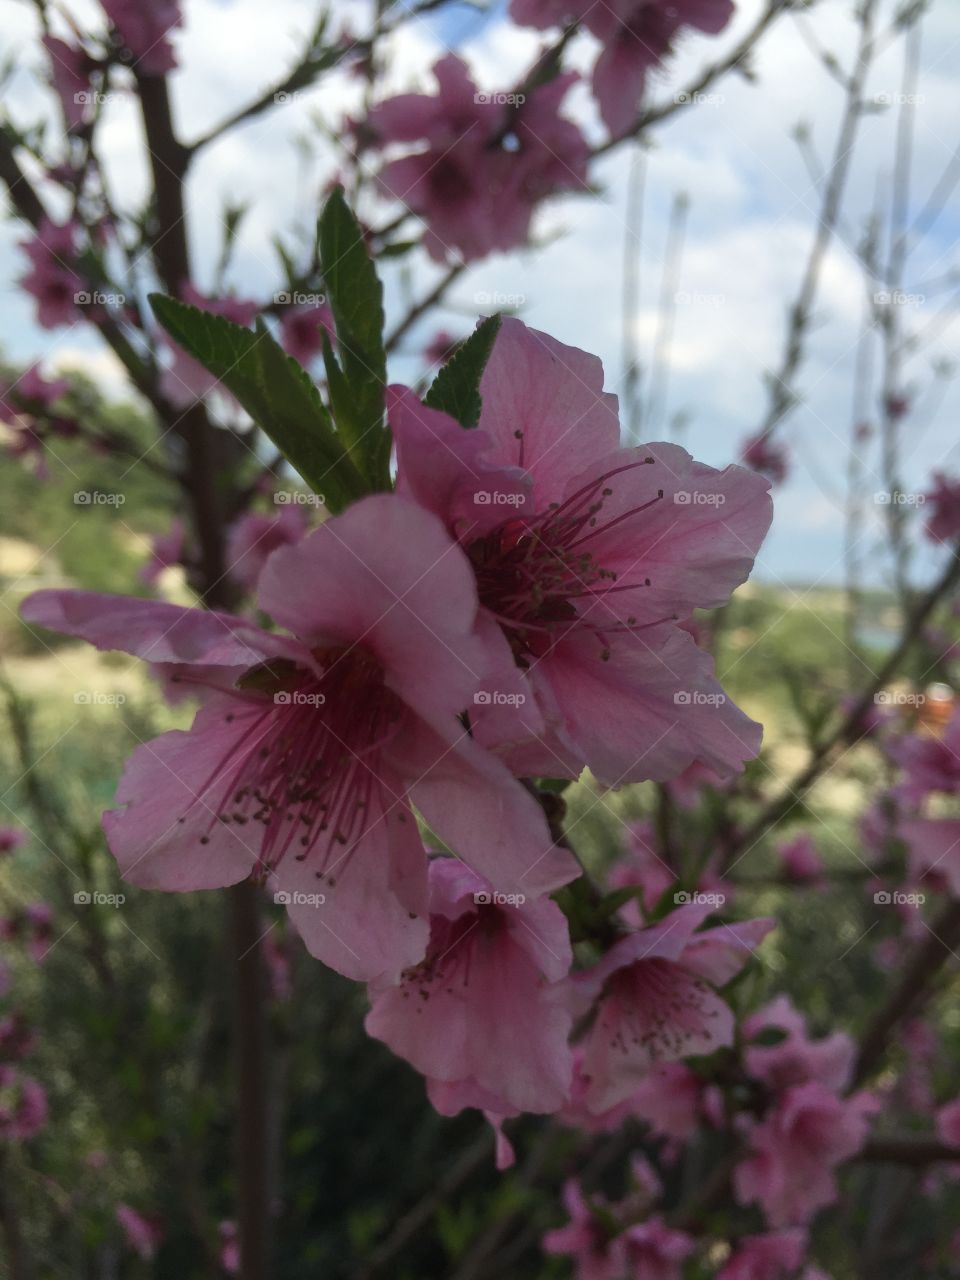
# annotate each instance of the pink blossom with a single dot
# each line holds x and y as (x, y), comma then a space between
(16, 1037)
(933, 846)
(440, 347)
(302, 330)
(32, 926)
(585, 1237)
(761, 453)
(306, 769)
(482, 1016)
(52, 280)
(32, 390)
(774, 1256)
(654, 1251)
(11, 838)
(185, 380)
(144, 1235)
(229, 1248)
(584, 564)
(642, 868)
(943, 522)
(800, 860)
(795, 1149)
(637, 35)
(796, 1059)
(23, 1106)
(70, 68)
(253, 538)
(143, 26)
(166, 551)
(948, 1123)
(687, 788)
(656, 999)
(484, 164)
(929, 763)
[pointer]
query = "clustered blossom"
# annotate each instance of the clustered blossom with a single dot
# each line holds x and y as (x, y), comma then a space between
(520, 606)
(484, 164)
(931, 772)
(144, 27)
(53, 281)
(762, 454)
(636, 36)
(943, 499)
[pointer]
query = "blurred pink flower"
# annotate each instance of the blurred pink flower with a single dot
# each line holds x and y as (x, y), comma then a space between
(586, 556)
(32, 926)
(70, 68)
(943, 522)
(800, 860)
(795, 1149)
(585, 1238)
(775, 1256)
(306, 769)
(656, 998)
(143, 26)
(252, 539)
(229, 1248)
(23, 1106)
(11, 838)
(484, 164)
(52, 280)
(795, 1059)
(761, 453)
(144, 1235)
(653, 1251)
(482, 1015)
(302, 329)
(440, 347)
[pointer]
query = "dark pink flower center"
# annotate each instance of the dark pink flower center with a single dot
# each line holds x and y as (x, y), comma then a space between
(539, 576)
(305, 764)
(450, 953)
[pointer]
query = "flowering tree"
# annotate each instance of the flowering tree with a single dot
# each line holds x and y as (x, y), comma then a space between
(427, 628)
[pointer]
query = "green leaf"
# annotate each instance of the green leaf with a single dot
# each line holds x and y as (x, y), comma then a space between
(456, 388)
(277, 393)
(355, 295)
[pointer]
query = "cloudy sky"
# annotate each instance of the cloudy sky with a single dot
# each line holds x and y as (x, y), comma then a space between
(752, 215)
